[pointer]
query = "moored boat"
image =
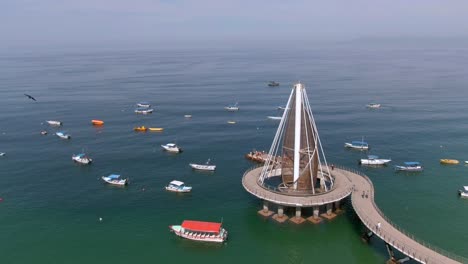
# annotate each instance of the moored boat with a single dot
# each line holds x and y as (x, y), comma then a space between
(115, 179)
(373, 105)
(143, 104)
(409, 166)
(374, 160)
(281, 107)
(449, 161)
(361, 145)
(206, 167)
(274, 117)
(54, 123)
(463, 192)
(232, 108)
(144, 111)
(81, 158)
(97, 122)
(273, 84)
(2, 154)
(188, 116)
(178, 186)
(63, 135)
(155, 129)
(231, 122)
(140, 129)
(200, 231)
(171, 147)
(43, 132)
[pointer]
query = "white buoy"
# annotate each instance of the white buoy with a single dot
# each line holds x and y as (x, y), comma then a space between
(100, 219)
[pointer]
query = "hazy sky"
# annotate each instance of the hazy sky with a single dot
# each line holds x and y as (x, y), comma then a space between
(111, 22)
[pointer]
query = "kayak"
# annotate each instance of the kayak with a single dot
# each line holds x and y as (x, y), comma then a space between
(97, 122)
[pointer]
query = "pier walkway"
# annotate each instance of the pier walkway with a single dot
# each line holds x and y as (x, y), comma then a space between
(355, 183)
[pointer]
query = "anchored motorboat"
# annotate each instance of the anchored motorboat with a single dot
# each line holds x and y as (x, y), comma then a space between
(63, 135)
(81, 158)
(178, 186)
(360, 145)
(232, 108)
(206, 167)
(171, 147)
(54, 123)
(409, 166)
(200, 231)
(115, 179)
(374, 160)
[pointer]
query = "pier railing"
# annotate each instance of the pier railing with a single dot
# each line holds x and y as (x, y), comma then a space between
(411, 252)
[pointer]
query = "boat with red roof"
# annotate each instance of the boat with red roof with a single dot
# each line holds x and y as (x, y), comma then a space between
(200, 231)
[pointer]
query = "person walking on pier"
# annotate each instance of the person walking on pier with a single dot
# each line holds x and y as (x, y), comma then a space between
(378, 226)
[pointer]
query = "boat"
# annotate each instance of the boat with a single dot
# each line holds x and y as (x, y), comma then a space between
(171, 147)
(206, 167)
(466, 161)
(449, 161)
(43, 132)
(54, 123)
(63, 135)
(232, 108)
(463, 192)
(155, 129)
(409, 166)
(374, 160)
(200, 231)
(361, 145)
(144, 104)
(96, 122)
(281, 107)
(274, 117)
(81, 158)
(144, 110)
(115, 179)
(2, 154)
(188, 116)
(231, 122)
(373, 105)
(140, 129)
(273, 84)
(178, 186)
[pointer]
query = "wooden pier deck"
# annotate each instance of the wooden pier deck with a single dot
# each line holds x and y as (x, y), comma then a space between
(355, 183)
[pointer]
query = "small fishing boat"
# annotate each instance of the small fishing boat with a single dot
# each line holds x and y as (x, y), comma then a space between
(200, 231)
(361, 145)
(155, 129)
(206, 167)
(144, 104)
(466, 161)
(273, 84)
(81, 158)
(231, 122)
(63, 135)
(178, 186)
(281, 107)
(274, 117)
(373, 105)
(115, 179)
(96, 122)
(140, 129)
(463, 192)
(54, 123)
(374, 160)
(144, 110)
(2, 154)
(188, 116)
(43, 132)
(409, 166)
(232, 108)
(171, 147)
(449, 161)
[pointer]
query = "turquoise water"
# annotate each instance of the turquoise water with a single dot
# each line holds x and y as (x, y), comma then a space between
(51, 207)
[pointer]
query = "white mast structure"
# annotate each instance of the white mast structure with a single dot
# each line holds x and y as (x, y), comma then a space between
(308, 157)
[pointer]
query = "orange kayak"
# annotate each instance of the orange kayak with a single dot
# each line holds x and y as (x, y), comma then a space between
(97, 122)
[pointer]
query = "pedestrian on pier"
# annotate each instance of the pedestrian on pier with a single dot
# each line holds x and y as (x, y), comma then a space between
(378, 226)
(362, 194)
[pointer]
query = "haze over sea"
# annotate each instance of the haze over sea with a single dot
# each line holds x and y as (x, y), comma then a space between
(51, 207)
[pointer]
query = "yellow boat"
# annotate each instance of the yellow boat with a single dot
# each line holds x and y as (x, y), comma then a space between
(449, 161)
(156, 129)
(140, 128)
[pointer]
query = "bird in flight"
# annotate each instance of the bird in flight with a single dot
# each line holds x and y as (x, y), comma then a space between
(30, 97)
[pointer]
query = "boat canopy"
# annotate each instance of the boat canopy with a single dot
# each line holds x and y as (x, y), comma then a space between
(466, 188)
(177, 183)
(170, 145)
(113, 176)
(360, 143)
(372, 157)
(199, 226)
(412, 163)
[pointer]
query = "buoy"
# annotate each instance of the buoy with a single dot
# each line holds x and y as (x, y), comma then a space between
(100, 219)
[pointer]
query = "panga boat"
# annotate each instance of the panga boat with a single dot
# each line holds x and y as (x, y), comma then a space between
(200, 231)
(156, 129)
(449, 161)
(373, 105)
(274, 117)
(115, 179)
(409, 166)
(464, 192)
(144, 104)
(178, 186)
(96, 122)
(81, 158)
(63, 135)
(140, 129)
(273, 84)
(144, 111)
(54, 123)
(232, 108)
(207, 166)
(171, 147)
(374, 160)
(361, 145)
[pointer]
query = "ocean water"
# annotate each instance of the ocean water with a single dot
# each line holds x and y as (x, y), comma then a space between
(50, 207)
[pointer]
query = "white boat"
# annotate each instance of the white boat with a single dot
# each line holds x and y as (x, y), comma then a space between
(463, 192)
(281, 107)
(232, 108)
(188, 116)
(63, 135)
(144, 110)
(178, 186)
(361, 145)
(115, 179)
(373, 105)
(466, 161)
(2, 154)
(171, 147)
(374, 160)
(207, 166)
(54, 123)
(81, 158)
(200, 231)
(274, 117)
(409, 166)
(144, 104)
